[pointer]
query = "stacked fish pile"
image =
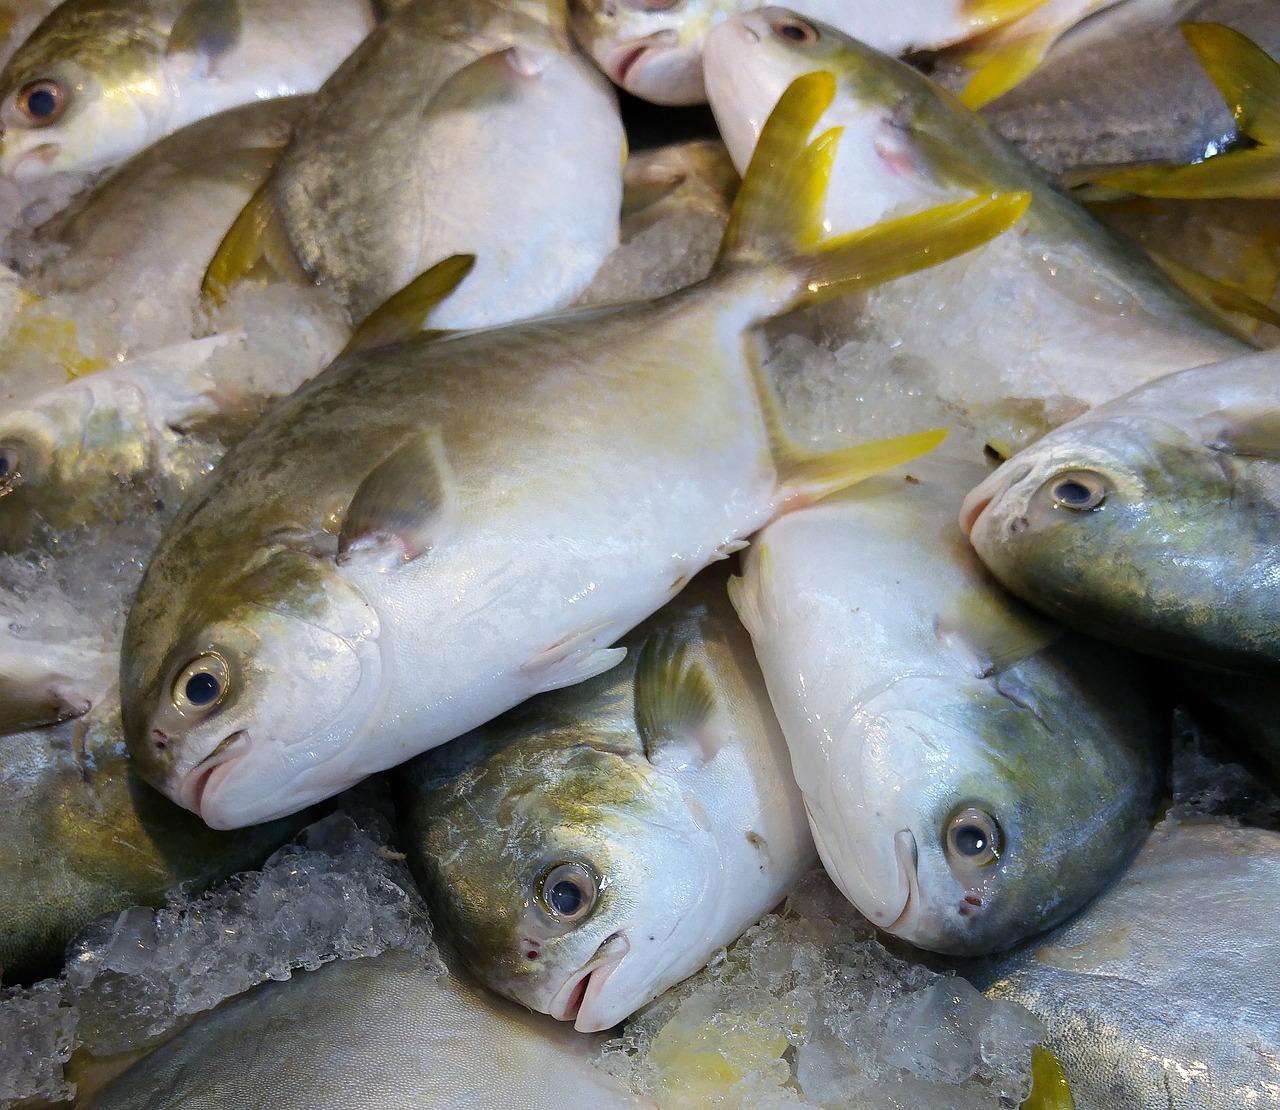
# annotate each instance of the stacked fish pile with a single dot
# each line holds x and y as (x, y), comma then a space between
(414, 427)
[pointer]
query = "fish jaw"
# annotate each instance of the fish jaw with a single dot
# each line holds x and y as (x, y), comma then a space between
(579, 998)
(658, 69)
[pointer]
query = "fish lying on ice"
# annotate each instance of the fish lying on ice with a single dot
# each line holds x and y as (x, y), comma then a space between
(99, 80)
(972, 773)
(427, 535)
(1018, 336)
(598, 844)
(377, 1032)
(495, 139)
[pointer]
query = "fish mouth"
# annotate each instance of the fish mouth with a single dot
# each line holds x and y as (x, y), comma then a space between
(196, 782)
(974, 505)
(623, 60)
(575, 1000)
(28, 165)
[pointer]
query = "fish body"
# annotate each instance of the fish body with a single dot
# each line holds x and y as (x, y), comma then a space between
(654, 50)
(1146, 1011)
(428, 534)
(972, 773)
(84, 835)
(1151, 520)
(1018, 336)
(496, 140)
(136, 245)
(98, 81)
(410, 1037)
(598, 844)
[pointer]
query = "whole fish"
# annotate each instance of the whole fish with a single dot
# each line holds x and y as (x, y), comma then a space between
(128, 255)
(1151, 520)
(410, 1037)
(1164, 993)
(1019, 336)
(99, 80)
(653, 48)
(496, 139)
(598, 844)
(426, 535)
(84, 836)
(972, 773)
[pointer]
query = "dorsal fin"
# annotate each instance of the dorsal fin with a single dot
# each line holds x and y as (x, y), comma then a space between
(402, 315)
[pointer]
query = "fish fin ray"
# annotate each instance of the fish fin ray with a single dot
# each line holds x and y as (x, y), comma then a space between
(402, 315)
(1245, 430)
(1247, 77)
(258, 236)
(1246, 174)
(675, 697)
(1004, 67)
(745, 595)
(573, 659)
(992, 631)
(1215, 295)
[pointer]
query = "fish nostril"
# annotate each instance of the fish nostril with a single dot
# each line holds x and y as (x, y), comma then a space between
(1019, 525)
(161, 740)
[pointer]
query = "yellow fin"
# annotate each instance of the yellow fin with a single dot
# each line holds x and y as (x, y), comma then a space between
(1049, 1088)
(983, 15)
(1247, 77)
(403, 314)
(1217, 296)
(258, 236)
(1247, 174)
(1003, 67)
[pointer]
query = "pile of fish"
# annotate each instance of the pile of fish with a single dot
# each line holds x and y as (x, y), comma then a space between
(582, 552)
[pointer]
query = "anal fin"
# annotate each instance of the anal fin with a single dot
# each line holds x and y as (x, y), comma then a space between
(256, 241)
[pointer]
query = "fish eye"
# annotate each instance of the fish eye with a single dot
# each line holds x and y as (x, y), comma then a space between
(795, 30)
(973, 837)
(202, 683)
(8, 468)
(42, 102)
(1078, 490)
(567, 892)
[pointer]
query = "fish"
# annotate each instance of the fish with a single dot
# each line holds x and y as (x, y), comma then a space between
(410, 1037)
(375, 570)
(85, 836)
(131, 251)
(1150, 521)
(653, 48)
(99, 80)
(497, 140)
(598, 844)
(1082, 314)
(1146, 1012)
(1125, 87)
(973, 773)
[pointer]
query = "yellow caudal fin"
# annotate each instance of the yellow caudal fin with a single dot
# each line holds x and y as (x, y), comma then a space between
(1049, 1088)
(1001, 68)
(1247, 77)
(404, 313)
(256, 240)
(1215, 295)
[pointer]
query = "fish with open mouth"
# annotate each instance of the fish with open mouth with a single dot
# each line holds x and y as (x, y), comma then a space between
(596, 845)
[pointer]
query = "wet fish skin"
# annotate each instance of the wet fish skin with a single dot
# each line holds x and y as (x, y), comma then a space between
(1164, 992)
(922, 711)
(1083, 315)
(110, 78)
(409, 1039)
(84, 835)
(663, 787)
(505, 144)
(1150, 521)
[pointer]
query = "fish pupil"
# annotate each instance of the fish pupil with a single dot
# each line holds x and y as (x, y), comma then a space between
(202, 688)
(793, 32)
(970, 840)
(1072, 492)
(566, 897)
(41, 103)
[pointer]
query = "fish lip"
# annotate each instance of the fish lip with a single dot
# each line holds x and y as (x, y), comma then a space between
(44, 154)
(573, 1001)
(622, 60)
(973, 507)
(196, 781)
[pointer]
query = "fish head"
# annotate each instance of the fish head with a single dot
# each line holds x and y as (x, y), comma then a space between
(651, 48)
(81, 94)
(243, 704)
(1085, 523)
(987, 810)
(904, 142)
(574, 881)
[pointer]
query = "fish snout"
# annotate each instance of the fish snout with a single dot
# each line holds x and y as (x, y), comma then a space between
(578, 999)
(210, 771)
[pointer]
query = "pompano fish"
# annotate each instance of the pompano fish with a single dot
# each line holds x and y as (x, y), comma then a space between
(1151, 520)
(1164, 992)
(972, 773)
(99, 80)
(596, 845)
(496, 139)
(424, 536)
(409, 1038)
(132, 250)
(84, 836)
(1081, 315)
(653, 48)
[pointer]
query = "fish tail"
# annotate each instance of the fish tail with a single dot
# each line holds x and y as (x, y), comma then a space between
(777, 215)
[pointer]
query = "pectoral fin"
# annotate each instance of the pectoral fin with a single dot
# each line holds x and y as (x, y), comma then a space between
(992, 631)
(208, 28)
(1246, 76)
(573, 659)
(1049, 1087)
(404, 313)
(400, 510)
(675, 698)
(1244, 430)
(256, 241)
(29, 700)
